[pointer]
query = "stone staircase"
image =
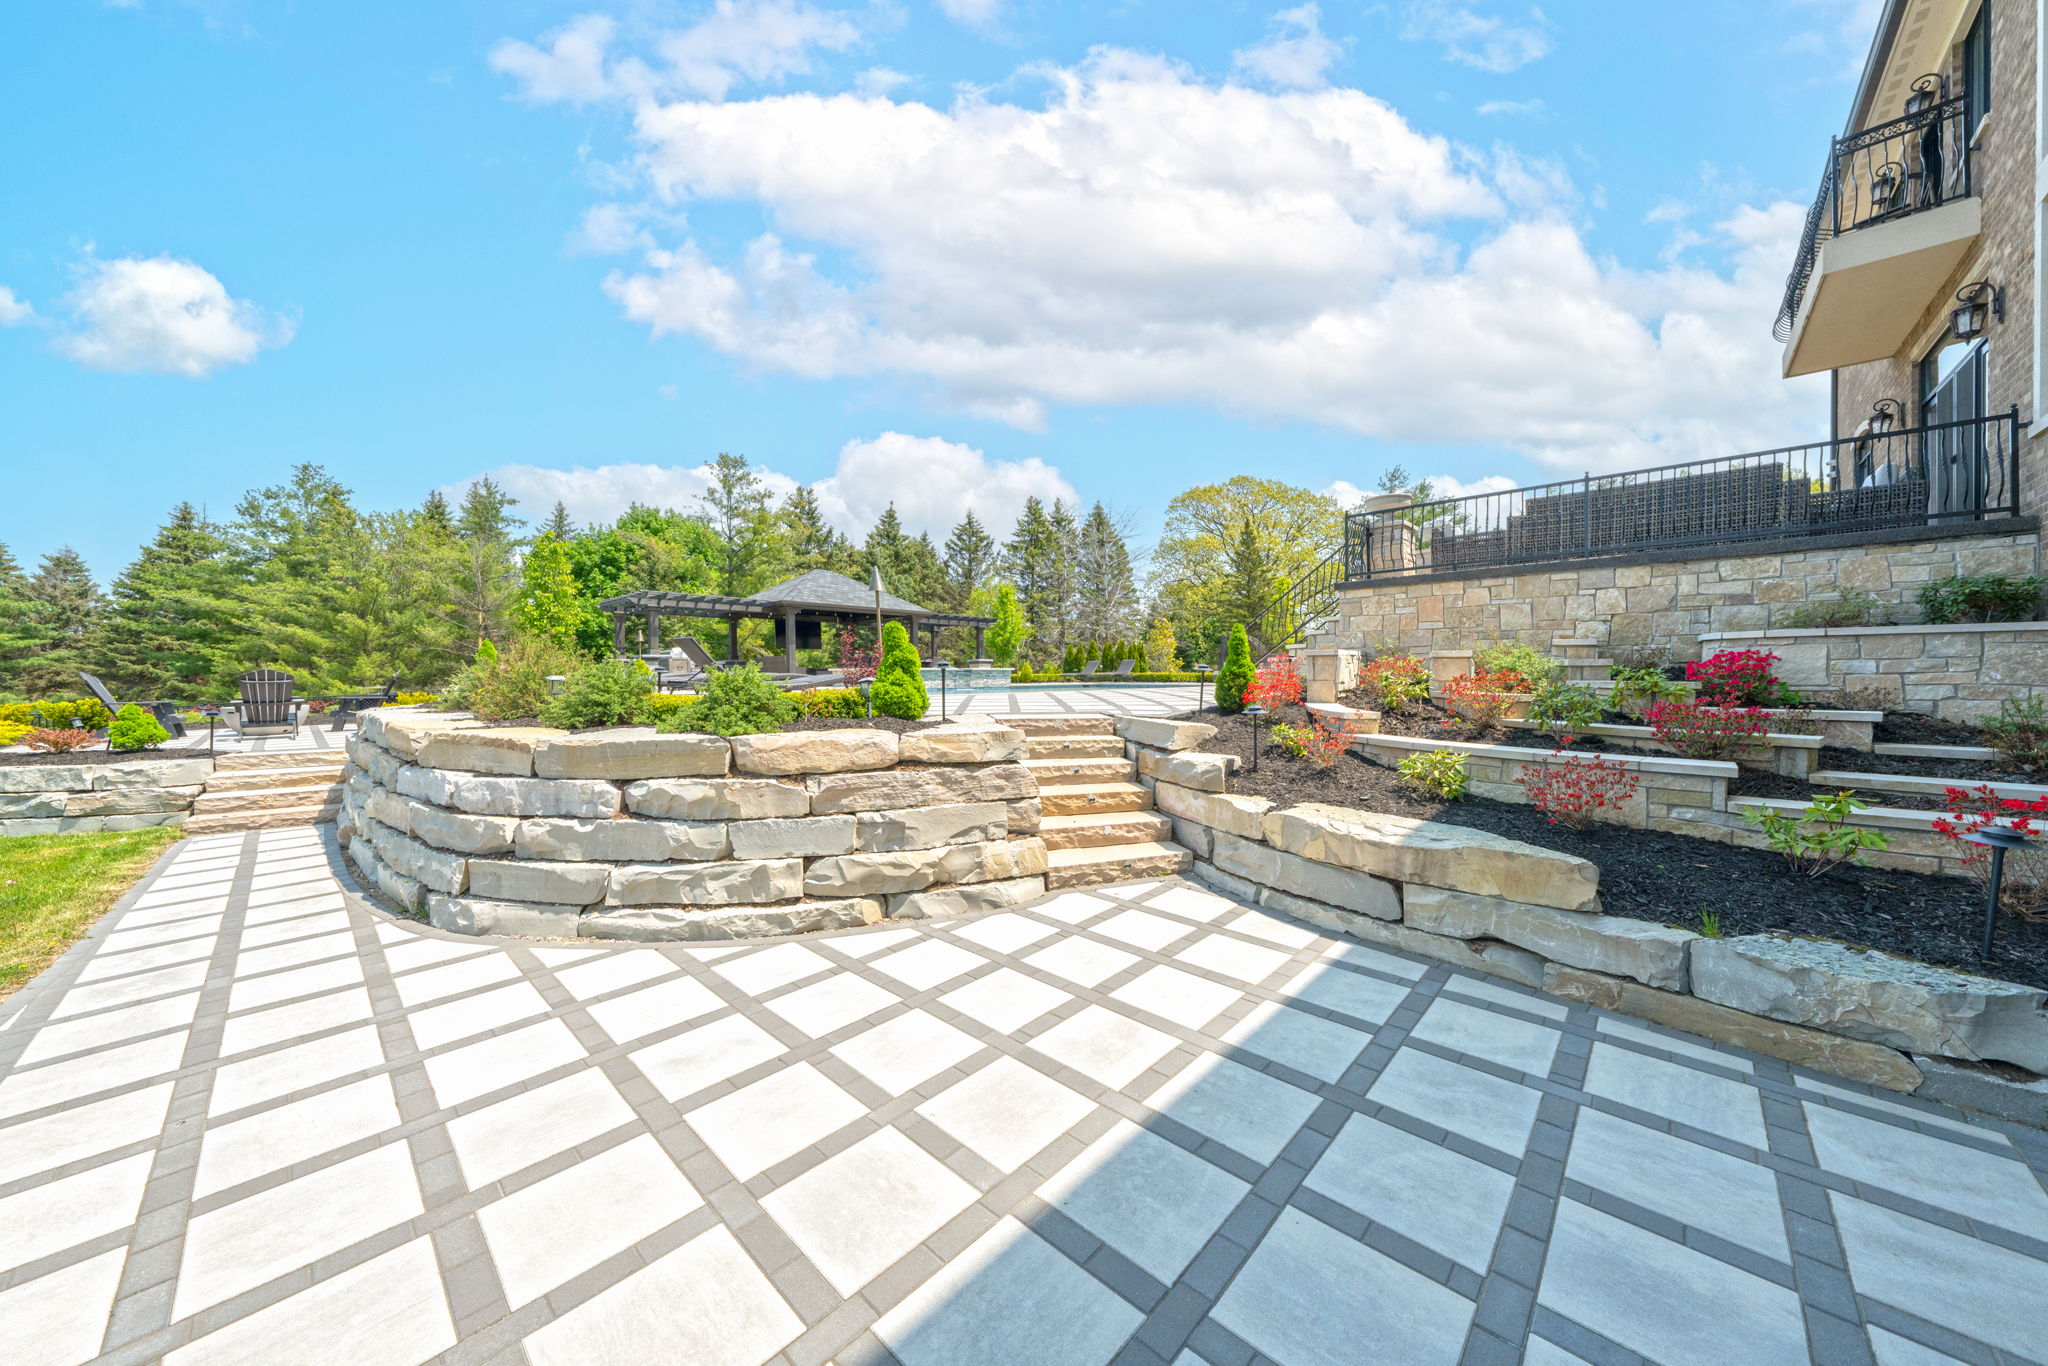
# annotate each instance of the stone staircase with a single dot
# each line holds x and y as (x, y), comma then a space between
(1099, 825)
(266, 791)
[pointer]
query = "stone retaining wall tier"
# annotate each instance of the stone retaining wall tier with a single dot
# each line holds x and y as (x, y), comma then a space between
(62, 799)
(1407, 850)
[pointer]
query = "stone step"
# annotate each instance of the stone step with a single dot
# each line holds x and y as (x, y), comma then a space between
(251, 779)
(211, 802)
(1060, 725)
(1083, 799)
(303, 758)
(230, 822)
(1113, 863)
(1104, 828)
(1075, 747)
(1064, 772)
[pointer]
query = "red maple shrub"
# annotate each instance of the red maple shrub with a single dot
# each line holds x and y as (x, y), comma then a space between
(1481, 700)
(1276, 684)
(1741, 678)
(1970, 810)
(1698, 731)
(1577, 789)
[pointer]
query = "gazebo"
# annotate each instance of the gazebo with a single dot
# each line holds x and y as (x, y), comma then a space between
(799, 607)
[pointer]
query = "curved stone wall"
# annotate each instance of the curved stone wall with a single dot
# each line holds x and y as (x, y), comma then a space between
(630, 834)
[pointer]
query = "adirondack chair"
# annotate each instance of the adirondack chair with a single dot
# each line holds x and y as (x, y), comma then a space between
(267, 707)
(166, 713)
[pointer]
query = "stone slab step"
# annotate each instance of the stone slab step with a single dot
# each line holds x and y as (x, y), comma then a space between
(1921, 787)
(303, 758)
(1104, 828)
(251, 779)
(1075, 747)
(1060, 725)
(1081, 799)
(266, 798)
(230, 822)
(1113, 863)
(1061, 772)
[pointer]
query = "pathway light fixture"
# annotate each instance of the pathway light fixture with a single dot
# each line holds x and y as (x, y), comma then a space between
(1998, 839)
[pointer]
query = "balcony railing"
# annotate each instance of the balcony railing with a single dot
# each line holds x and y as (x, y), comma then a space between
(1907, 166)
(1937, 475)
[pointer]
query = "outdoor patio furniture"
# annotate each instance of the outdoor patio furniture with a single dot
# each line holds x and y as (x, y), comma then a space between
(696, 661)
(352, 705)
(1090, 669)
(266, 708)
(166, 713)
(1123, 669)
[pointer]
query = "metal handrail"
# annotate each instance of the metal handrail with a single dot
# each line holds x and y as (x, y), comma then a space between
(1932, 475)
(1309, 598)
(1913, 163)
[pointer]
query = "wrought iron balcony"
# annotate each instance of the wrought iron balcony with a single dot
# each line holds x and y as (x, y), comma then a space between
(1874, 180)
(1938, 475)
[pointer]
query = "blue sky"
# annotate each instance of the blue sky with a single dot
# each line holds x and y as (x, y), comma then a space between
(948, 254)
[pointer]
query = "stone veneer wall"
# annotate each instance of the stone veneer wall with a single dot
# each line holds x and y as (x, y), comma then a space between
(60, 799)
(630, 834)
(1532, 916)
(1669, 604)
(1958, 673)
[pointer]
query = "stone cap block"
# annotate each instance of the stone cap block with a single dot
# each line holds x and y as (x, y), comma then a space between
(1238, 815)
(1171, 736)
(530, 919)
(403, 729)
(718, 799)
(740, 882)
(963, 744)
(834, 793)
(1409, 850)
(620, 840)
(492, 796)
(46, 777)
(682, 923)
(1648, 953)
(815, 751)
(631, 752)
(981, 896)
(505, 751)
(150, 773)
(1190, 768)
(569, 884)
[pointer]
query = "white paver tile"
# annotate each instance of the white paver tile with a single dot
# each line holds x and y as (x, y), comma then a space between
(1153, 1201)
(249, 993)
(98, 1031)
(282, 1024)
(480, 1068)
(1099, 1043)
(389, 1311)
(1486, 1034)
(1179, 996)
(560, 1227)
(59, 1319)
(459, 1019)
(1233, 958)
(1006, 1112)
(1005, 999)
(1236, 1105)
(501, 1139)
(121, 991)
(868, 943)
(904, 1052)
(834, 1003)
(267, 1076)
(1353, 993)
(1142, 930)
(66, 1212)
(1686, 1094)
(294, 952)
(1495, 1112)
(1082, 961)
(1004, 933)
(1193, 903)
(642, 1012)
(1951, 1120)
(1441, 1199)
(710, 1053)
(767, 969)
(244, 1149)
(856, 1213)
(1308, 1043)
(1709, 1190)
(414, 950)
(924, 966)
(35, 1088)
(1528, 1002)
(451, 979)
(609, 972)
(1623, 1029)
(1950, 1176)
(757, 1126)
(37, 1145)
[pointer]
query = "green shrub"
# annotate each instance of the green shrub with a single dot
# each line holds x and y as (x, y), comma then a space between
(1237, 672)
(1439, 772)
(1566, 704)
(17, 714)
(2019, 732)
(134, 728)
(1293, 739)
(1981, 597)
(898, 689)
(1525, 662)
(1637, 690)
(512, 685)
(412, 699)
(663, 704)
(612, 693)
(58, 715)
(846, 702)
(12, 731)
(1850, 607)
(1820, 838)
(742, 701)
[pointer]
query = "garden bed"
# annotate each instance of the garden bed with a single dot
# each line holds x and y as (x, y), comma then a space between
(31, 758)
(1668, 878)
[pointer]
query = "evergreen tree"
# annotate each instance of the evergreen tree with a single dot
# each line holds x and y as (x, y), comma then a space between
(925, 573)
(172, 612)
(487, 512)
(435, 516)
(969, 558)
(1250, 579)
(899, 688)
(1062, 582)
(550, 604)
(558, 524)
(736, 507)
(19, 634)
(65, 605)
(1236, 675)
(1105, 596)
(887, 548)
(808, 540)
(1031, 561)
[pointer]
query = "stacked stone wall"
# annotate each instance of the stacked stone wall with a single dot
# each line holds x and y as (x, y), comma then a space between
(59, 799)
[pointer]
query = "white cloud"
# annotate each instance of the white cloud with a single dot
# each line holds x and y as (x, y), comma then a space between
(1350, 495)
(755, 41)
(933, 482)
(1146, 237)
(1486, 42)
(879, 80)
(1295, 54)
(14, 310)
(1510, 107)
(165, 315)
(981, 14)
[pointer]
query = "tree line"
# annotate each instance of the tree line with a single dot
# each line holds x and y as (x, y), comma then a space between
(301, 578)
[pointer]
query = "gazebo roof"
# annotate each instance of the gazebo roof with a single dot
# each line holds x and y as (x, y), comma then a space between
(830, 592)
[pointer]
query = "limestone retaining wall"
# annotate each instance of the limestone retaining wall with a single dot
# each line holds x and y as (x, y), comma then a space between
(57, 799)
(1532, 916)
(630, 834)
(1959, 673)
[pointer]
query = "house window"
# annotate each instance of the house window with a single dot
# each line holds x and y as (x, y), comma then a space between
(1977, 67)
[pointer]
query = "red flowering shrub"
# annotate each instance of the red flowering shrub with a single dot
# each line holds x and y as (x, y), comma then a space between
(2025, 889)
(1696, 731)
(1741, 678)
(59, 741)
(1276, 684)
(1325, 743)
(1480, 700)
(1578, 789)
(857, 663)
(1391, 682)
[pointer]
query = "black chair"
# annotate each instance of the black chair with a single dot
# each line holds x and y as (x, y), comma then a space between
(267, 707)
(355, 704)
(166, 713)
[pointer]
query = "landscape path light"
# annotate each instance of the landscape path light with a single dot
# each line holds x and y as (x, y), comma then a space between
(1256, 713)
(942, 689)
(1997, 838)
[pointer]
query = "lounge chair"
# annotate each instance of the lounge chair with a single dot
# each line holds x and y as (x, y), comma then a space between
(698, 665)
(166, 713)
(267, 707)
(1089, 669)
(1123, 670)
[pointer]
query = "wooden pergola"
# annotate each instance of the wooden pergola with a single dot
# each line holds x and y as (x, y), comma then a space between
(799, 607)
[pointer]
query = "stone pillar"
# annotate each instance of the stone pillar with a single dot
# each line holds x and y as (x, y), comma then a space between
(1445, 665)
(981, 659)
(732, 640)
(1327, 673)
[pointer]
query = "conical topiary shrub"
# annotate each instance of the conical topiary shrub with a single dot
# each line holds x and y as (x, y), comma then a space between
(899, 687)
(1237, 672)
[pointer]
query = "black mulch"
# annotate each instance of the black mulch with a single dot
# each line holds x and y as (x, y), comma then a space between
(1966, 772)
(1670, 879)
(856, 723)
(94, 756)
(1911, 728)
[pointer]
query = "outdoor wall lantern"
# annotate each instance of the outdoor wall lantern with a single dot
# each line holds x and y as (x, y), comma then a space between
(1997, 838)
(1978, 305)
(1885, 414)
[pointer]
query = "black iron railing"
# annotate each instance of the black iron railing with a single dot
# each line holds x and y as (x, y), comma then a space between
(1936, 475)
(1912, 164)
(1295, 608)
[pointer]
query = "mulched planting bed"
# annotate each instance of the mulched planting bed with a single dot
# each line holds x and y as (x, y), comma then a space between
(1964, 772)
(1912, 728)
(97, 756)
(858, 722)
(1670, 879)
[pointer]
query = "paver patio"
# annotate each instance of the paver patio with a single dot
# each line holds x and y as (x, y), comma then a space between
(251, 1119)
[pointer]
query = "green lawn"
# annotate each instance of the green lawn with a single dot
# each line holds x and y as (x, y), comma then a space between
(52, 888)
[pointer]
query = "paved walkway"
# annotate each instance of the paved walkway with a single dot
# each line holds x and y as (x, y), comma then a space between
(251, 1121)
(1158, 699)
